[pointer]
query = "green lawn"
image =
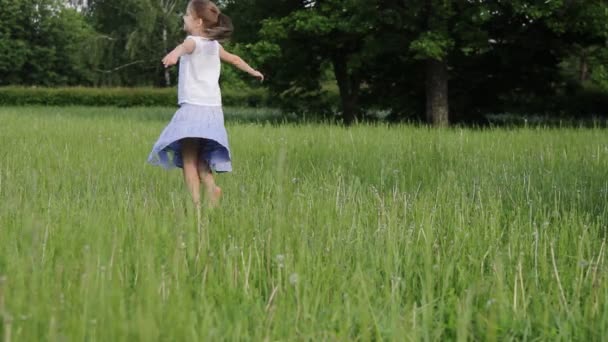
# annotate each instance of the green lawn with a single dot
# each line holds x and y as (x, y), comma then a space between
(324, 233)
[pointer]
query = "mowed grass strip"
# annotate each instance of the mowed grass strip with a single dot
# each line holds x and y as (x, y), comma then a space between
(372, 232)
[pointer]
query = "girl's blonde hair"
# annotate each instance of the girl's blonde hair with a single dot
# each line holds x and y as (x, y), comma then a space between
(218, 26)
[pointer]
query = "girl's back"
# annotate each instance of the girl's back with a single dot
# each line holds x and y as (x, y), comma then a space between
(199, 74)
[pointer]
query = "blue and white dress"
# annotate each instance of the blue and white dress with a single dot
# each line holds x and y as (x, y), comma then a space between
(200, 113)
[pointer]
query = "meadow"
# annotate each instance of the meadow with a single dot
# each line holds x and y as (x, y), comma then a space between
(371, 232)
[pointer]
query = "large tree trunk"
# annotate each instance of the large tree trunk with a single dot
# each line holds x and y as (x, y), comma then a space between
(437, 92)
(349, 85)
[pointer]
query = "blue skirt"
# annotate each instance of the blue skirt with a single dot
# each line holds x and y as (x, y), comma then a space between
(193, 121)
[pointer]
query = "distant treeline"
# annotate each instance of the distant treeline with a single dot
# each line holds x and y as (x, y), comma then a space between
(435, 60)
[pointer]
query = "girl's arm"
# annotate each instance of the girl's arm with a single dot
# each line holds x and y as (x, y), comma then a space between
(239, 63)
(184, 48)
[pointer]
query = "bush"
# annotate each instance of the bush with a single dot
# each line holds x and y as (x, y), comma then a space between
(584, 103)
(574, 104)
(246, 97)
(120, 97)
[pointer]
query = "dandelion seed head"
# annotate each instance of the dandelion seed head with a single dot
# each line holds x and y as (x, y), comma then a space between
(280, 260)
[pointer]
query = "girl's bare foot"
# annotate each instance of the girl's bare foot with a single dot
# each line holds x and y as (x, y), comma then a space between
(214, 196)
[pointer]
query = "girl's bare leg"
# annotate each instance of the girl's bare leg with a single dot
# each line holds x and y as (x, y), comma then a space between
(213, 191)
(190, 158)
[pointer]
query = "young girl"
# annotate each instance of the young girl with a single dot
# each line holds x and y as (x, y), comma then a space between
(196, 137)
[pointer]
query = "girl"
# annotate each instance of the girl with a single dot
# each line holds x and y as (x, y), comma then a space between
(196, 137)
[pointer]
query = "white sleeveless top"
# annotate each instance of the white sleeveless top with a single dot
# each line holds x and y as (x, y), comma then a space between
(199, 74)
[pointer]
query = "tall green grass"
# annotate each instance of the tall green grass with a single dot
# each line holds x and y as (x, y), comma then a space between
(324, 233)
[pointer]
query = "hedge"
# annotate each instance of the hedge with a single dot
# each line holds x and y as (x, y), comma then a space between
(120, 97)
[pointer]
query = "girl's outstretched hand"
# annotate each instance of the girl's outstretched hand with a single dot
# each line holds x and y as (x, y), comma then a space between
(170, 59)
(257, 75)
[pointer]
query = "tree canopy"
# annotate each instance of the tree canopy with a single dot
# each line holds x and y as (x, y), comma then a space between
(436, 60)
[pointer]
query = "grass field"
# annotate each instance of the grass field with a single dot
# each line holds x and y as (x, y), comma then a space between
(371, 232)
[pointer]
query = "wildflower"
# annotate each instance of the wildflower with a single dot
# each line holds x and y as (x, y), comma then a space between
(293, 279)
(280, 259)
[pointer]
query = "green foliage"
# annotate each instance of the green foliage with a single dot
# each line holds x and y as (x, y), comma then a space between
(121, 97)
(585, 67)
(599, 76)
(536, 10)
(309, 39)
(13, 40)
(373, 52)
(44, 43)
(135, 35)
(434, 45)
(497, 52)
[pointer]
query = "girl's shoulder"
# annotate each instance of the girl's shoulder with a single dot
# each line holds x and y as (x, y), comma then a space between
(202, 39)
(205, 45)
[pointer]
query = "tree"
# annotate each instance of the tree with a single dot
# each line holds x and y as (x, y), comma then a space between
(532, 42)
(586, 30)
(44, 43)
(491, 52)
(136, 34)
(13, 40)
(433, 45)
(306, 38)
